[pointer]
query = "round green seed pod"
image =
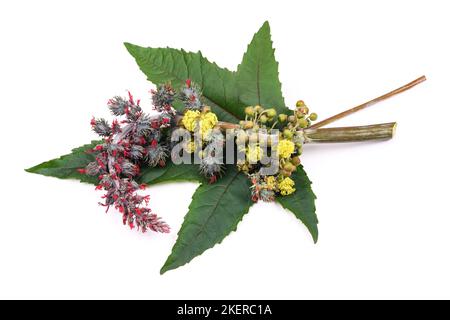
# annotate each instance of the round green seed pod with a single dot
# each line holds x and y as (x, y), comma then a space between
(303, 123)
(289, 167)
(282, 117)
(248, 125)
(250, 111)
(258, 109)
(263, 118)
(271, 113)
(285, 173)
(313, 116)
(287, 133)
(304, 110)
(300, 103)
(296, 161)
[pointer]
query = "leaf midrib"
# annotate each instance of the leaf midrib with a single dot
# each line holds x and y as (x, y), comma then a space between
(258, 79)
(215, 208)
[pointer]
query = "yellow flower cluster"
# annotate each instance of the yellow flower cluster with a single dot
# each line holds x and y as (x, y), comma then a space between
(253, 153)
(285, 148)
(286, 186)
(190, 147)
(271, 182)
(206, 120)
(190, 119)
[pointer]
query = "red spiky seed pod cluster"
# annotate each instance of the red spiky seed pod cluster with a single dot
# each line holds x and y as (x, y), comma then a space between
(190, 95)
(129, 142)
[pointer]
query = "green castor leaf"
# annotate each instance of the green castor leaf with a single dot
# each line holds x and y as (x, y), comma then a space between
(257, 75)
(162, 65)
(170, 173)
(65, 167)
(215, 211)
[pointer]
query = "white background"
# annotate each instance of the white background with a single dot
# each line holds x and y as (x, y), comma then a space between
(383, 207)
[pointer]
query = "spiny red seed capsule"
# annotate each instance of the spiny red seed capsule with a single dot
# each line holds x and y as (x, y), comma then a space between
(130, 97)
(118, 158)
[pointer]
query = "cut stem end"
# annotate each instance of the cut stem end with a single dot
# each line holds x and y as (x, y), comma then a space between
(383, 131)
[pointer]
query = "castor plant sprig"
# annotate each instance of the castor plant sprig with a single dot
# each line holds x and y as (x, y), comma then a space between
(246, 99)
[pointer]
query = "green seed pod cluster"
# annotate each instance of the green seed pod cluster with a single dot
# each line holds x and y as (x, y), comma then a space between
(292, 133)
(258, 114)
(300, 119)
(256, 118)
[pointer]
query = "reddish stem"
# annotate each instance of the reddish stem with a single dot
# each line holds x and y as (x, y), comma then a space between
(368, 104)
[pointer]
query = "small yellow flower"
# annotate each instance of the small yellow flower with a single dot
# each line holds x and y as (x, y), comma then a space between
(253, 153)
(286, 186)
(285, 148)
(190, 119)
(190, 147)
(193, 118)
(271, 182)
(208, 120)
